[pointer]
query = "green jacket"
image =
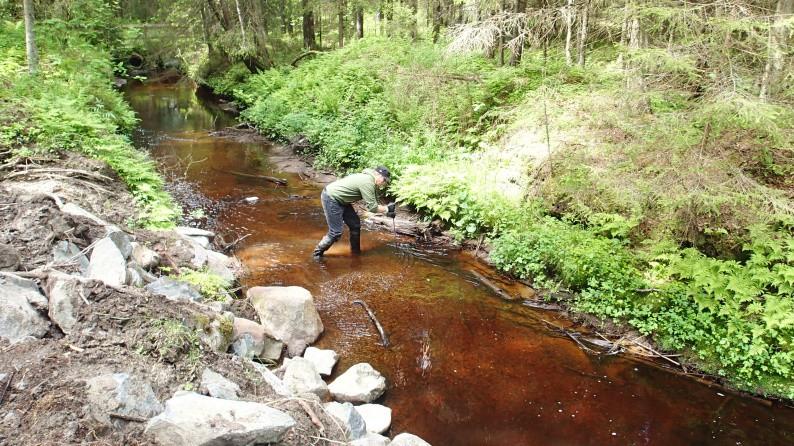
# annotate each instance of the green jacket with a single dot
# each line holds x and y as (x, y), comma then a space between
(359, 186)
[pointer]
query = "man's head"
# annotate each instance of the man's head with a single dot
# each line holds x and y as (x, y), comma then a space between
(382, 176)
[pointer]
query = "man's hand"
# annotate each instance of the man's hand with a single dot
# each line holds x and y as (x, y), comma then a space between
(390, 210)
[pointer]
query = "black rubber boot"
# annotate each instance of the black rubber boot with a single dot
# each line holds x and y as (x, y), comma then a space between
(355, 242)
(323, 246)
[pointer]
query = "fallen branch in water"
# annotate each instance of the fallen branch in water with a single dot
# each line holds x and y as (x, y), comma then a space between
(279, 181)
(384, 338)
(231, 245)
(495, 288)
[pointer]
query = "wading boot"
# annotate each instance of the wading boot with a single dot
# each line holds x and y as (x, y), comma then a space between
(323, 246)
(355, 242)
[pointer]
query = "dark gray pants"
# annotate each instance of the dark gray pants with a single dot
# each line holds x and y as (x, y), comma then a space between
(336, 214)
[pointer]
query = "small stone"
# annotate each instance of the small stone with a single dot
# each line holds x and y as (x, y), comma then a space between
(193, 232)
(9, 258)
(134, 278)
(66, 251)
(371, 440)
(108, 264)
(174, 290)
(217, 386)
(251, 200)
(271, 379)
(66, 294)
(406, 439)
(359, 384)
(377, 417)
(121, 393)
(352, 421)
(323, 360)
(302, 377)
(145, 257)
(204, 242)
(18, 318)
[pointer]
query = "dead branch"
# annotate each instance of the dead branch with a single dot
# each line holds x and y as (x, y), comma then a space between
(302, 56)
(383, 336)
(311, 415)
(76, 172)
(127, 417)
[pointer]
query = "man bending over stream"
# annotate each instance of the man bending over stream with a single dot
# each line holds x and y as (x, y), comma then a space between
(338, 198)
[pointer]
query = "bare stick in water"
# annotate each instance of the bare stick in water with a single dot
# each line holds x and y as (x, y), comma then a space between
(383, 336)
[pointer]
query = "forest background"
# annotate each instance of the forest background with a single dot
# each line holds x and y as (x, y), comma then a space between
(635, 157)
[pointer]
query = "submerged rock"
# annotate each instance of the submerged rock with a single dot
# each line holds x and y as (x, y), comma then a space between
(217, 386)
(123, 394)
(323, 360)
(377, 417)
(288, 314)
(406, 439)
(359, 384)
(352, 422)
(18, 317)
(191, 419)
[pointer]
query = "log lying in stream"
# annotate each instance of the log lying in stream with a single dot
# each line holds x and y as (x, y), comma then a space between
(279, 181)
(383, 336)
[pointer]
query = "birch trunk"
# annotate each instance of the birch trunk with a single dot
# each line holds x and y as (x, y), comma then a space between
(776, 56)
(568, 31)
(583, 34)
(30, 41)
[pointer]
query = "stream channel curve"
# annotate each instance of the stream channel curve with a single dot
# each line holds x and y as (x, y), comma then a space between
(464, 367)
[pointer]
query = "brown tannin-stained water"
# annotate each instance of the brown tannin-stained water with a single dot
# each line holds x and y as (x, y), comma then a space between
(464, 367)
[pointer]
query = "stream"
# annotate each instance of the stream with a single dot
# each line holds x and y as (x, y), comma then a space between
(464, 367)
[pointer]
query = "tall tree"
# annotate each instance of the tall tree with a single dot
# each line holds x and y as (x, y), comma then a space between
(308, 26)
(778, 39)
(582, 38)
(569, 16)
(359, 21)
(342, 6)
(30, 41)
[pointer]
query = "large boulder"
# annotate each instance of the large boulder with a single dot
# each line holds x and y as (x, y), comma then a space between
(108, 264)
(323, 360)
(371, 440)
(191, 419)
(66, 294)
(174, 290)
(302, 377)
(288, 314)
(122, 241)
(406, 439)
(217, 386)
(359, 384)
(377, 417)
(352, 422)
(250, 340)
(123, 394)
(18, 317)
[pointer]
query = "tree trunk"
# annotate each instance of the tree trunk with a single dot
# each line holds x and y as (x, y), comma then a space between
(583, 34)
(30, 41)
(240, 18)
(206, 28)
(342, 7)
(320, 26)
(518, 51)
(776, 58)
(359, 22)
(568, 31)
(308, 26)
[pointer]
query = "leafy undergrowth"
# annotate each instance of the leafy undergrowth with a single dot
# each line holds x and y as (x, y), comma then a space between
(666, 212)
(71, 106)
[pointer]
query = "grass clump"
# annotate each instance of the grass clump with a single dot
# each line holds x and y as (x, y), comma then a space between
(210, 285)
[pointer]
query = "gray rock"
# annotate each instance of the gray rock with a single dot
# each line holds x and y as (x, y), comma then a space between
(222, 265)
(217, 334)
(217, 386)
(301, 377)
(123, 242)
(406, 439)
(191, 419)
(145, 275)
(73, 209)
(193, 232)
(371, 440)
(134, 278)
(145, 257)
(250, 340)
(272, 380)
(377, 417)
(200, 254)
(204, 242)
(66, 251)
(359, 384)
(250, 200)
(66, 294)
(123, 394)
(288, 314)
(9, 258)
(323, 360)
(11, 420)
(354, 426)
(108, 264)
(174, 290)
(18, 318)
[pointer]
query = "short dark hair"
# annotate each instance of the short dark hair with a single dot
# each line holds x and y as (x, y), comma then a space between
(384, 172)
